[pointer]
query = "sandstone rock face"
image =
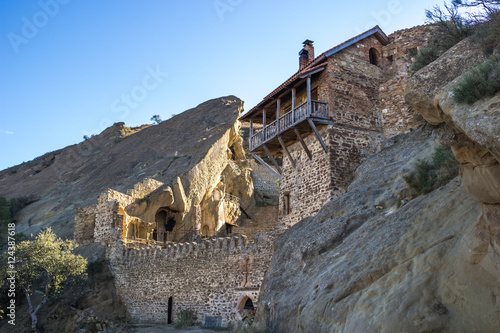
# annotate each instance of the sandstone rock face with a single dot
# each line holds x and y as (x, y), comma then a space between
(477, 126)
(427, 266)
(193, 145)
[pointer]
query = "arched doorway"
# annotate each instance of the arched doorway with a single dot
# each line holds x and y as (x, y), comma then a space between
(248, 305)
(165, 224)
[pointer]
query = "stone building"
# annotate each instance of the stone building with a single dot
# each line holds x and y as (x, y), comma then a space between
(165, 239)
(326, 118)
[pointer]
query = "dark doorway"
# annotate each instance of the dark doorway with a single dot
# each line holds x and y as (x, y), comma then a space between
(229, 228)
(248, 305)
(373, 56)
(170, 224)
(169, 319)
(165, 223)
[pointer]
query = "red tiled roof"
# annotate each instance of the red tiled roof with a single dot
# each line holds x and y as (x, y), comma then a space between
(313, 64)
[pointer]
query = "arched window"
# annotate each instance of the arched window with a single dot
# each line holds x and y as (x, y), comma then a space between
(205, 231)
(373, 54)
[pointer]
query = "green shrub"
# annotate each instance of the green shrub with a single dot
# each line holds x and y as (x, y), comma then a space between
(185, 318)
(433, 173)
(481, 81)
(439, 44)
(487, 33)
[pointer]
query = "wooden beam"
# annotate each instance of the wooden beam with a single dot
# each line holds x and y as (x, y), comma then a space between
(264, 119)
(313, 72)
(294, 90)
(271, 157)
(320, 139)
(250, 136)
(324, 121)
(285, 149)
(278, 107)
(302, 142)
(309, 94)
(261, 161)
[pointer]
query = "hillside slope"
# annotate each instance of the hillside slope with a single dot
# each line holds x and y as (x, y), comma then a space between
(76, 175)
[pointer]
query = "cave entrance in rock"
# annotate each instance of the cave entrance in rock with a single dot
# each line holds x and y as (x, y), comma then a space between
(165, 224)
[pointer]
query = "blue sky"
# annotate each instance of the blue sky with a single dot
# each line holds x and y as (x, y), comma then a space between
(70, 68)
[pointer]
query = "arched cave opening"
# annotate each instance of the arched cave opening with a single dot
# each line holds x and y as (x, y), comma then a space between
(165, 224)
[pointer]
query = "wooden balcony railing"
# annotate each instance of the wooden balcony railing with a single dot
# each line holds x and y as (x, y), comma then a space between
(288, 120)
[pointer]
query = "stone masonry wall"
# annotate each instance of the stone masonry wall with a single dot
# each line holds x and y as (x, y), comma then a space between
(97, 223)
(397, 116)
(348, 148)
(84, 225)
(308, 185)
(264, 180)
(350, 85)
(212, 278)
(313, 182)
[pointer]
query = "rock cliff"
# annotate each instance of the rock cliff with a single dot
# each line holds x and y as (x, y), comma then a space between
(474, 129)
(422, 267)
(369, 262)
(120, 157)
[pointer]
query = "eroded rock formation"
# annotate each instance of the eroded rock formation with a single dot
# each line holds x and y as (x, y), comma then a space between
(197, 199)
(422, 267)
(196, 146)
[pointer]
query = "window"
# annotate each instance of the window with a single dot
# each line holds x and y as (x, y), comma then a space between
(373, 54)
(286, 204)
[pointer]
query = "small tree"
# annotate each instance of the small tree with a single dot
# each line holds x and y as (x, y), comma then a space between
(45, 263)
(156, 119)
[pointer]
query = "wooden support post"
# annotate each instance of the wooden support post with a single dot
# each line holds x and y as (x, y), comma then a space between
(285, 149)
(264, 118)
(261, 161)
(251, 133)
(320, 139)
(302, 142)
(271, 157)
(309, 94)
(278, 107)
(293, 105)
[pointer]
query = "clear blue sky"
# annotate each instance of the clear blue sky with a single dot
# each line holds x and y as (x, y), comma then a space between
(67, 66)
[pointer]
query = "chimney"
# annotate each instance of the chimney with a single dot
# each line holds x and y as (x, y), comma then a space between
(306, 54)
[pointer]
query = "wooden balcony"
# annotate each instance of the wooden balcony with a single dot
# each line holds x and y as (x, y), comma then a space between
(288, 126)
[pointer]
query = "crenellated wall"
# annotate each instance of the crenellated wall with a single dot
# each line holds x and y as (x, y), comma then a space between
(212, 278)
